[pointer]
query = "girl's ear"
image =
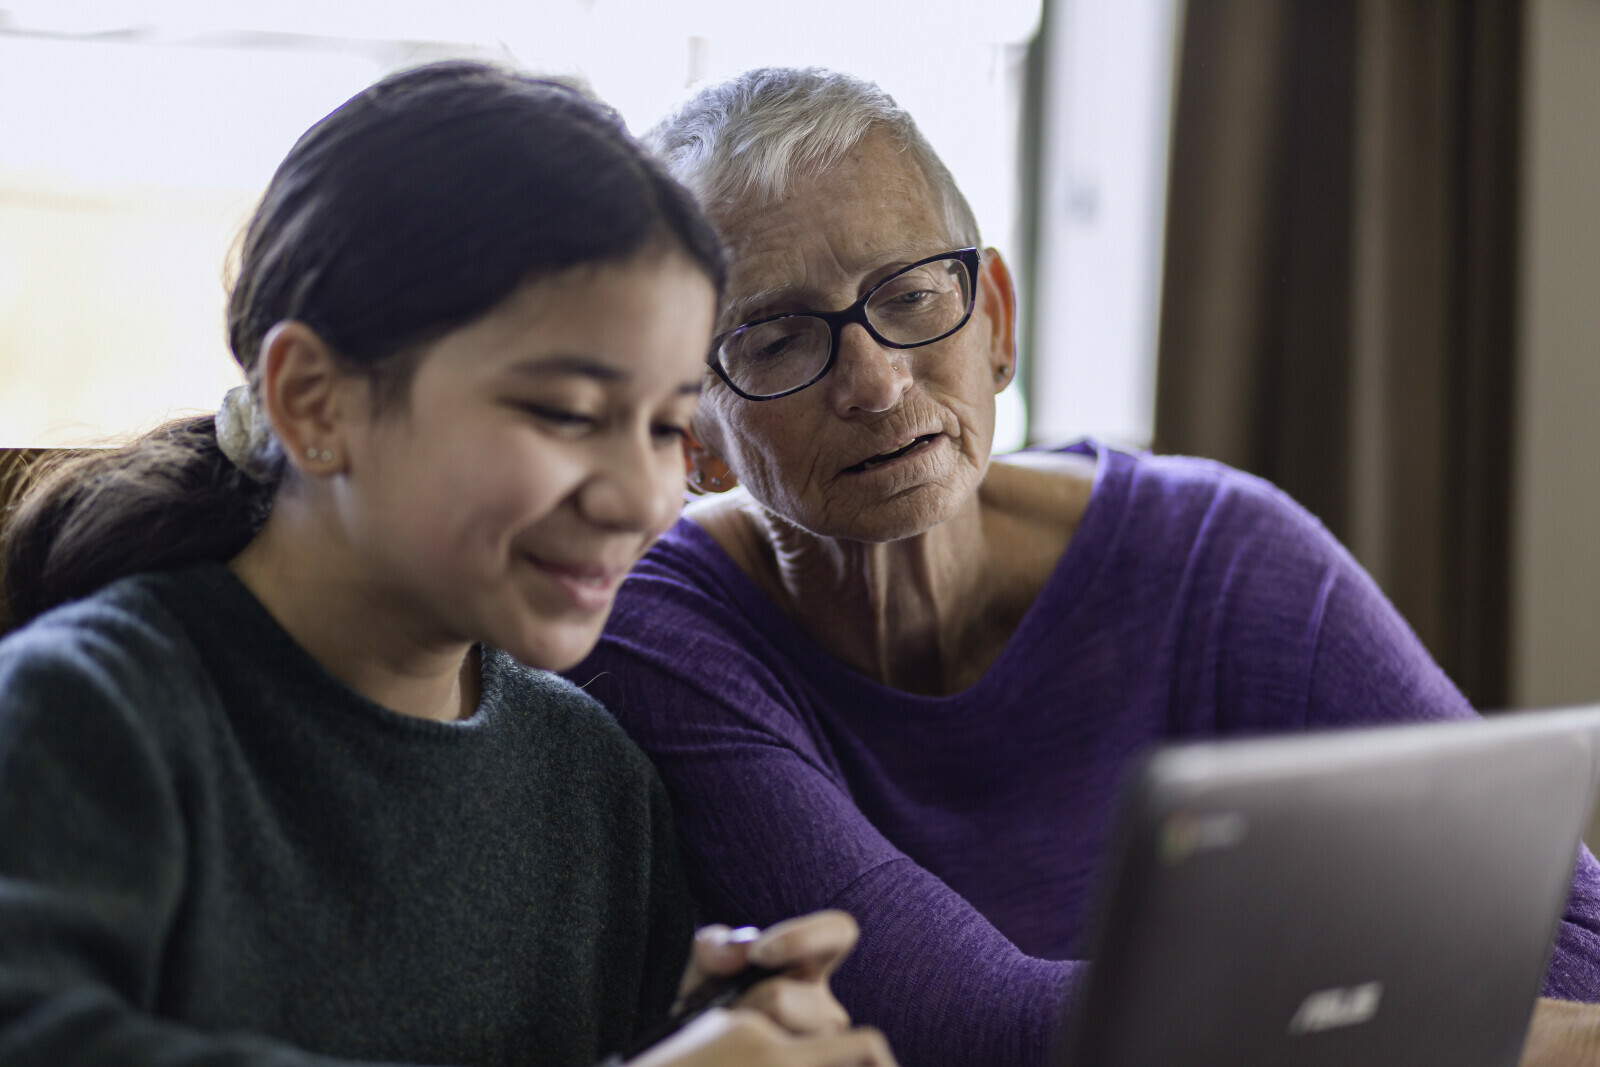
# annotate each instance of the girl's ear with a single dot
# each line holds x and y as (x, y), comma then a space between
(704, 469)
(300, 391)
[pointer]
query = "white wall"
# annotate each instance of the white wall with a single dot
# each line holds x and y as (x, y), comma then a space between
(1555, 654)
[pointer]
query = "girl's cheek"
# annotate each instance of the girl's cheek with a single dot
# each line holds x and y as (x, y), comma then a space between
(672, 490)
(516, 467)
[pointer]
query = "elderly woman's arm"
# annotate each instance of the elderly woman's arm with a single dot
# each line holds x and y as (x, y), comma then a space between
(1213, 606)
(937, 977)
(1370, 667)
(770, 831)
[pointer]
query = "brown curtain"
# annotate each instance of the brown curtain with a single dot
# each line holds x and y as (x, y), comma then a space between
(1338, 295)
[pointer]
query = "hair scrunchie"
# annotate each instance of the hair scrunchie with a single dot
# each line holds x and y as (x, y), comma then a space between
(246, 438)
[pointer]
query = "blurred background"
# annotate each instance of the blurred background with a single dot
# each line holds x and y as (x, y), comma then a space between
(1350, 245)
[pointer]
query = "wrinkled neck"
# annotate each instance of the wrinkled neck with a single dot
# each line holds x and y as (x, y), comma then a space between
(900, 612)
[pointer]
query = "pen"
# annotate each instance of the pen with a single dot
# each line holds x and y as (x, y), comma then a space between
(718, 991)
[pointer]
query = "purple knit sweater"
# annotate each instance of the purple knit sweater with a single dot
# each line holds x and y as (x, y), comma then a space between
(964, 832)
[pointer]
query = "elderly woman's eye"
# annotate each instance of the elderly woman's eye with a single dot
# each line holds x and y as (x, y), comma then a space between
(776, 348)
(909, 302)
(766, 343)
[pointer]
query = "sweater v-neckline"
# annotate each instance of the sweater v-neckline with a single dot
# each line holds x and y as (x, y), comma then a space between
(1101, 524)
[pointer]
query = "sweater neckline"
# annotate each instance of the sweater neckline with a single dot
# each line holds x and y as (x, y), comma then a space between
(1101, 521)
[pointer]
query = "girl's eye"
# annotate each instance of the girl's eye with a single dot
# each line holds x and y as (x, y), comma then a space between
(667, 433)
(556, 416)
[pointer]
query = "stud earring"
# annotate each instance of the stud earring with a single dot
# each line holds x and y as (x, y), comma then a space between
(1002, 372)
(699, 478)
(318, 455)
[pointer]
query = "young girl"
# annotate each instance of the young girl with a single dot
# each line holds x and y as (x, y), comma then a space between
(274, 788)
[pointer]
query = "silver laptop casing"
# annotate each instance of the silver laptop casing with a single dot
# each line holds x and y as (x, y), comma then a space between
(1371, 896)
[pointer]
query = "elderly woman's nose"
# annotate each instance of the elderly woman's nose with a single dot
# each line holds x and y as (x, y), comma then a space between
(868, 376)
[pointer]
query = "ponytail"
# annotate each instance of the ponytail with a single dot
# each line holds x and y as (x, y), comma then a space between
(167, 500)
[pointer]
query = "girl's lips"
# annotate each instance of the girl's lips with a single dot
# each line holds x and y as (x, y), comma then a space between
(587, 588)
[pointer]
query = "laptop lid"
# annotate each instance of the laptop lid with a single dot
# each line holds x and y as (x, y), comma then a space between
(1373, 896)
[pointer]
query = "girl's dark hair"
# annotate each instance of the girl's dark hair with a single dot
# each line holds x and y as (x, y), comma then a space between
(415, 208)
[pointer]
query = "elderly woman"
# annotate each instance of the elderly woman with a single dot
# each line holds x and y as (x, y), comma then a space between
(892, 675)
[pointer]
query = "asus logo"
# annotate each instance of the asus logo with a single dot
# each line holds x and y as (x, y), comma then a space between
(1328, 1009)
(1186, 833)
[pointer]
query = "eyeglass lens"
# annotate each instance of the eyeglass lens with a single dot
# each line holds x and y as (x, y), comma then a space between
(918, 305)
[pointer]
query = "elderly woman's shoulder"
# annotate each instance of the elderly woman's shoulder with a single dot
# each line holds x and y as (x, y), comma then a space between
(734, 521)
(1220, 509)
(1049, 486)
(1062, 463)
(1057, 485)
(1207, 483)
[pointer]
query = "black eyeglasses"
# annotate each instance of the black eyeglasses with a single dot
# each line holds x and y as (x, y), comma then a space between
(776, 356)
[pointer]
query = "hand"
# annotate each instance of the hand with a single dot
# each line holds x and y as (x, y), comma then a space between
(807, 950)
(739, 1037)
(1562, 1034)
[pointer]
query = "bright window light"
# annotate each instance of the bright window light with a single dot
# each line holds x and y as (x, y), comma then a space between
(137, 136)
(1101, 224)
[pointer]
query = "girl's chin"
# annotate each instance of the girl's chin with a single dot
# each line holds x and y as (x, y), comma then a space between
(557, 648)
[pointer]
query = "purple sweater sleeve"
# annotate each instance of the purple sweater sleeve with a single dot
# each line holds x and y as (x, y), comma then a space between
(770, 831)
(1369, 668)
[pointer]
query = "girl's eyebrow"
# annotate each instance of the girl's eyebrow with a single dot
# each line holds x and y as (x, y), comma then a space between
(588, 367)
(562, 363)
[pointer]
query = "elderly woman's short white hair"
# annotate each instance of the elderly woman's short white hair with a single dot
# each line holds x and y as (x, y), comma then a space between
(750, 137)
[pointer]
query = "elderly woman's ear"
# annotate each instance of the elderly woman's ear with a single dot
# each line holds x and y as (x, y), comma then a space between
(704, 468)
(997, 302)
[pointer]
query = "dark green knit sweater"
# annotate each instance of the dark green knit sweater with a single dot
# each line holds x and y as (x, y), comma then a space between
(212, 852)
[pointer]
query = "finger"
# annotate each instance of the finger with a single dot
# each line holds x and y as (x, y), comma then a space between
(717, 950)
(808, 947)
(801, 1007)
(750, 1040)
(1562, 1033)
(717, 1026)
(746, 1039)
(862, 1047)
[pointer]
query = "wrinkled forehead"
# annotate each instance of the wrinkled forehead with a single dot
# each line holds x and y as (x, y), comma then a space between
(829, 231)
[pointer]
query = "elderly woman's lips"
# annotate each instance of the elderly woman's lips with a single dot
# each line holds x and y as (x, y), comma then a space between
(892, 454)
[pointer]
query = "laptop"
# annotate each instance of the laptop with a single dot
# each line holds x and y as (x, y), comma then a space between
(1373, 896)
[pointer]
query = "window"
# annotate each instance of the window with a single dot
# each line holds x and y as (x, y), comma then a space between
(139, 136)
(1103, 178)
